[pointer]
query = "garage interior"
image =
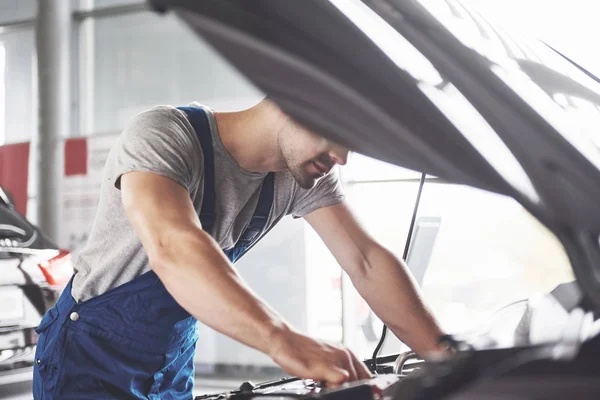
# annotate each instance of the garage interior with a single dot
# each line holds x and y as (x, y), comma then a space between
(74, 72)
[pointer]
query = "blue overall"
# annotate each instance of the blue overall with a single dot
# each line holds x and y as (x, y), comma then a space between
(134, 341)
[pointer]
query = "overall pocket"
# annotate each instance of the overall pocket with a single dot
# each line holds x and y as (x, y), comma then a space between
(47, 319)
(175, 381)
(40, 366)
(103, 365)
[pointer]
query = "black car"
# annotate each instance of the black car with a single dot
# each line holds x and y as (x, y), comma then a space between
(434, 87)
(33, 272)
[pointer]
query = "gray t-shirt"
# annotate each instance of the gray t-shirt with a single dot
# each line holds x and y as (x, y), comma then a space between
(163, 141)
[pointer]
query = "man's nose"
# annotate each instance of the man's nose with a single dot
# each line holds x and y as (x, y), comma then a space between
(339, 155)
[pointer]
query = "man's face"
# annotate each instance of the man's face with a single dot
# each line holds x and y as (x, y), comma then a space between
(307, 155)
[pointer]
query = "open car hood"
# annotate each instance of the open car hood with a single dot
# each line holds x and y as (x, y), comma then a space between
(431, 86)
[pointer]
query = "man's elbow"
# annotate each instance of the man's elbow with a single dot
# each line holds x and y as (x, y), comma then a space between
(160, 255)
(366, 264)
(359, 267)
(168, 250)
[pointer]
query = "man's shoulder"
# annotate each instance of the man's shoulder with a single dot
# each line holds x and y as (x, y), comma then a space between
(160, 124)
(160, 140)
(157, 115)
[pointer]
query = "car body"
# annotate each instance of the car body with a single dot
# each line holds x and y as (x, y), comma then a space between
(432, 86)
(33, 272)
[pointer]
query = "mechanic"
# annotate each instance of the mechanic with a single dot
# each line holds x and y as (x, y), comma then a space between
(185, 192)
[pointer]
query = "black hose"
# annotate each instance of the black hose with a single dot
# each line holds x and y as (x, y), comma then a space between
(404, 256)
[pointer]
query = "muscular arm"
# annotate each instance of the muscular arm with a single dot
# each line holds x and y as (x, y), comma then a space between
(191, 265)
(374, 271)
(202, 280)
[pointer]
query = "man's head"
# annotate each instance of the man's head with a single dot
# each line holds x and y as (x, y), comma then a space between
(307, 155)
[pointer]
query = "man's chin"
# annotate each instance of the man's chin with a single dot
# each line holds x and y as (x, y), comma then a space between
(307, 182)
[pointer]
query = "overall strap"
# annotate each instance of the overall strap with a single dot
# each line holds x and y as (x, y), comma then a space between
(252, 233)
(261, 213)
(199, 120)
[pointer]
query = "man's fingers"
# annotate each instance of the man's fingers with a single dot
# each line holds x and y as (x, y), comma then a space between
(311, 359)
(361, 369)
(351, 369)
(336, 376)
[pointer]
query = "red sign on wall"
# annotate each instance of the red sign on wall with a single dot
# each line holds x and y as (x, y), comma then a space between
(14, 172)
(76, 156)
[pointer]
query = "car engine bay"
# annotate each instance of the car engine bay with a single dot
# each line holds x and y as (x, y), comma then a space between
(556, 370)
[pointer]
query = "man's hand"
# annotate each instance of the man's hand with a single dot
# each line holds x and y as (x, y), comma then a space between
(307, 358)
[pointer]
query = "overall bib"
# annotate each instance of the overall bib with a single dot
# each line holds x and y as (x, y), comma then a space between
(134, 341)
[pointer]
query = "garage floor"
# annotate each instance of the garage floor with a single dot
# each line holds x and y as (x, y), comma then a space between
(17, 385)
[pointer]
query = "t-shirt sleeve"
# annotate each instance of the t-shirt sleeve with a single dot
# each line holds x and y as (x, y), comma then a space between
(160, 141)
(327, 192)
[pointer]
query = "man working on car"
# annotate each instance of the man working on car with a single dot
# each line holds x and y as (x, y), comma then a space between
(185, 192)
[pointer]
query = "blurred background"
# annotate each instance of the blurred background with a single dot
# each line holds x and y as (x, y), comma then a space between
(472, 251)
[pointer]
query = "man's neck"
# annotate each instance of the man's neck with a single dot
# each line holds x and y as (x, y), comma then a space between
(250, 137)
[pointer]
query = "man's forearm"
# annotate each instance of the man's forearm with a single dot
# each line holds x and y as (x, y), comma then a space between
(388, 288)
(201, 279)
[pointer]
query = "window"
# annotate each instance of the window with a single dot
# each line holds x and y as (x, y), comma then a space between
(18, 86)
(133, 62)
(17, 10)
